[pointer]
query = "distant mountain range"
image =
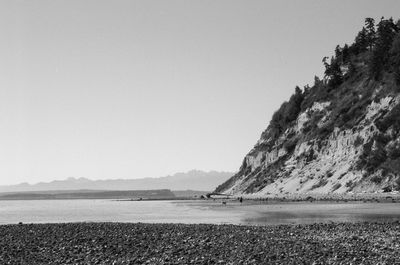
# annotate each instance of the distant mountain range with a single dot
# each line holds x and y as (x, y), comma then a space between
(192, 180)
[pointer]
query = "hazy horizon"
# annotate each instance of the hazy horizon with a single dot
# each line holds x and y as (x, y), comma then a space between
(110, 179)
(133, 89)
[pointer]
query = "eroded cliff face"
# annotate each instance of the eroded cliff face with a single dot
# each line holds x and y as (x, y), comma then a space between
(342, 134)
(301, 162)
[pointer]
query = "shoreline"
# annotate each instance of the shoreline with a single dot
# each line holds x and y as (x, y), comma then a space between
(140, 243)
(286, 197)
(310, 198)
(334, 197)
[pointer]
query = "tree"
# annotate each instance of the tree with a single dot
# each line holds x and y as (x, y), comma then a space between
(333, 72)
(294, 105)
(345, 54)
(380, 55)
(307, 89)
(317, 82)
(287, 113)
(342, 55)
(370, 31)
(338, 52)
(361, 42)
(395, 58)
(352, 69)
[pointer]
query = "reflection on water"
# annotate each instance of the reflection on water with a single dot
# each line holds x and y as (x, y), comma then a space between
(306, 213)
(289, 218)
(50, 211)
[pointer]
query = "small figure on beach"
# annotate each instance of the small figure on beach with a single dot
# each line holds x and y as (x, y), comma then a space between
(241, 199)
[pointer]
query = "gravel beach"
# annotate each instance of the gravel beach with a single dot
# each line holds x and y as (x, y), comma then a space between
(138, 243)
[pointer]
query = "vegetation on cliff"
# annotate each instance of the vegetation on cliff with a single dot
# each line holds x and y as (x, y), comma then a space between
(357, 76)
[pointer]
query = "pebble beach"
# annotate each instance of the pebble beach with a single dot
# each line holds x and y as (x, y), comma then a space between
(139, 243)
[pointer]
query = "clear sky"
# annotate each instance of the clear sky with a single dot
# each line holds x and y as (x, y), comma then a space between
(129, 89)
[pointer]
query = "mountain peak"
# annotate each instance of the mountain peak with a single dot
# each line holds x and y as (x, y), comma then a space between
(192, 180)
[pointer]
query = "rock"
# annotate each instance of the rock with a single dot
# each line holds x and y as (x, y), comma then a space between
(121, 243)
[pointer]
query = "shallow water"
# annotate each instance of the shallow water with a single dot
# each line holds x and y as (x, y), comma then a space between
(214, 212)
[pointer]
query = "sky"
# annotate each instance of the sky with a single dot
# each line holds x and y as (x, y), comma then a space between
(147, 88)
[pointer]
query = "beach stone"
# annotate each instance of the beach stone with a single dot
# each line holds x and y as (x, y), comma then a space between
(121, 243)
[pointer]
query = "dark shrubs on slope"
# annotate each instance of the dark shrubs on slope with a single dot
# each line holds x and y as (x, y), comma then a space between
(366, 70)
(391, 119)
(286, 114)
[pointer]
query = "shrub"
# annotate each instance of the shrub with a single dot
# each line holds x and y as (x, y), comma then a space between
(372, 158)
(320, 183)
(349, 184)
(325, 131)
(387, 189)
(359, 141)
(393, 151)
(336, 186)
(290, 144)
(342, 175)
(286, 114)
(398, 183)
(376, 179)
(391, 166)
(390, 119)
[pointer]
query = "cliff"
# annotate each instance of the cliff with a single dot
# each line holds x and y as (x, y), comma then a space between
(341, 135)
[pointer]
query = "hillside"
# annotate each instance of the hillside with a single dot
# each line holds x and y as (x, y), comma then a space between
(192, 180)
(340, 135)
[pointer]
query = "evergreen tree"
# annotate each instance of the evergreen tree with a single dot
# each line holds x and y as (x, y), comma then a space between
(306, 90)
(333, 72)
(294, 105)
(352, 69)
(287, 113)
(338, 52)
(345, 54)
(380, 55)
(395, 58)
(317, 81)
(361, 42)
(370, 30)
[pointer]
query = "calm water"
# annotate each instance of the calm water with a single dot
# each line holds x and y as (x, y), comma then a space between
(50, 211)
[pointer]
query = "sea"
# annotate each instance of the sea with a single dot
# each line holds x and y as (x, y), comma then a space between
(194, 212)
